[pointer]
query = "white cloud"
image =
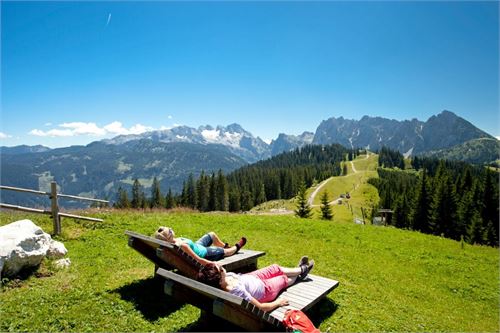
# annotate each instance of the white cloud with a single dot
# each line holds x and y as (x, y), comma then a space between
(169, 117)
(4, 136)
(138, 129)
(80, 128)
(91, 129)
(268, 141)
(48, 124)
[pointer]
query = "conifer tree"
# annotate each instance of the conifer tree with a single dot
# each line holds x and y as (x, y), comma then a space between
(122, 199)
(191, 192)
(261, 195)
(234, 200)
(222, 194)
(443, 209)
(490, 209)
(212, 193)
(419, 214)
(303, 209)
(169, 199)
(202, 190)
(156, 197)
(326, 209)
(136, 194)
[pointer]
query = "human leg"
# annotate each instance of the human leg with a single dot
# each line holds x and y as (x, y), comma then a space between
(216, 241)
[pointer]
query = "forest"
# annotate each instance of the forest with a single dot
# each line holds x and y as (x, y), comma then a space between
(279, 177)
(446, 198)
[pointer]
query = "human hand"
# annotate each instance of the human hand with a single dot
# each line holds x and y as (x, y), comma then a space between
(282, 301)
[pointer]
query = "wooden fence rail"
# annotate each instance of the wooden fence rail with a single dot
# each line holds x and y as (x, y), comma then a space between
(54, 209)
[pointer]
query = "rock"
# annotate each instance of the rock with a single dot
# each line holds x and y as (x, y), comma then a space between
(62, 263)
(24, 244)
(56, 250)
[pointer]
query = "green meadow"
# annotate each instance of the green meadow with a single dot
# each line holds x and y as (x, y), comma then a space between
(390, 279)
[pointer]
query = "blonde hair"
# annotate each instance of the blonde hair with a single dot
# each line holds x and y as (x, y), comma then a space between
(164, 233)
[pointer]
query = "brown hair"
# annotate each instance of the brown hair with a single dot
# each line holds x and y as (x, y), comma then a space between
(210, 275)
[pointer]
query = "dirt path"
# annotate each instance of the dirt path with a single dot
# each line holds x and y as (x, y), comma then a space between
(315, 192)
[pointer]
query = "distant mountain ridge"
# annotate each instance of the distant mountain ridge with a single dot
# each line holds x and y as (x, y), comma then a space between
(99, 168)
(410, 137)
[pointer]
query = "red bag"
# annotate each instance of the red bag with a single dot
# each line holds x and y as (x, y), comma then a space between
(297, 321)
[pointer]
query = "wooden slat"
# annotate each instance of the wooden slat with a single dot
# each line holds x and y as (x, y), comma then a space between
(200, 287)
(25, 209)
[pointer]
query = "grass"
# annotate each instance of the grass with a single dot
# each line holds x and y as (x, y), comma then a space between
(390, 279)
(363, 195)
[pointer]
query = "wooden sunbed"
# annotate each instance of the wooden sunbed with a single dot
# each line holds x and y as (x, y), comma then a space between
(170, 256)
(302, 295)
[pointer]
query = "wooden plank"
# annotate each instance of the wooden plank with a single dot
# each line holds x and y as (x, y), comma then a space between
(200, 287)
(80, 217)
(81, 198)
(18, 189)
(25, 209)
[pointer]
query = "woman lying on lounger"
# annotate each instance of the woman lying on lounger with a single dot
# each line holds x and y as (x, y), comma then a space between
(260, 287)
(206, 249)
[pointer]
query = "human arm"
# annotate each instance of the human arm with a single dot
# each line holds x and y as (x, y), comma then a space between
(186, 248)
(269, 306)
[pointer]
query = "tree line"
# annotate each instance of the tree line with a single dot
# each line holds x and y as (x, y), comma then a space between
(279, 177)
(448, 198)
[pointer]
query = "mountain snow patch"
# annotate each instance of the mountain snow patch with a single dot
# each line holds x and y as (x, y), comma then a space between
(210, 135)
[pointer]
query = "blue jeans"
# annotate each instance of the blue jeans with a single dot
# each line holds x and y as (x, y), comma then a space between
(214, 253)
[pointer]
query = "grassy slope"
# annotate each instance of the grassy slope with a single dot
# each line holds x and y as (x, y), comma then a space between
(362, 194)
(391, 280)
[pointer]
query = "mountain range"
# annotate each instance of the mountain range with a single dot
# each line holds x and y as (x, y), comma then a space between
(99, 168)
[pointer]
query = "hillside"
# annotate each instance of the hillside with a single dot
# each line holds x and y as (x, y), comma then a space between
(390, 279)
(98, 169)
(477, 151)
(355, 183)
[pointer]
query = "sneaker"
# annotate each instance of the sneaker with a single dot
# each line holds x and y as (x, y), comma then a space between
(241, 243)
(303, 261)
(306, 268)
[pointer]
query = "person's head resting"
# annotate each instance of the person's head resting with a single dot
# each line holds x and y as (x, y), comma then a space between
(210, 274)
(165, 234)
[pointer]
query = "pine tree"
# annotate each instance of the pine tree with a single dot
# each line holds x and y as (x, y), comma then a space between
(136, 194)
(212, 193)
(156, 197)
(261, 195)
(234, 200)
(191, 192)
(122, 199)
(326, 209)
(443, 209)
(303, 209)
(419, 214)
(222, 194)
(169, 199)
(490, 209)
(202, 192)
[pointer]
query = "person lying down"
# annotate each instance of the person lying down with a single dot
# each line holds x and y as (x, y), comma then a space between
(205, 250)
(260, 287)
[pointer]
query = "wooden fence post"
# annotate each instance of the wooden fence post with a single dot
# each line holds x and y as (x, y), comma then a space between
(54, 208)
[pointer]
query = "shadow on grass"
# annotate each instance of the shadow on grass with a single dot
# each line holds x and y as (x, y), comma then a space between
(321, 311)
(210, 323)
(148, 298)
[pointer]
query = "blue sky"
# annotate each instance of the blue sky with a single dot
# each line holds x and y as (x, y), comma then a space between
(72, 73)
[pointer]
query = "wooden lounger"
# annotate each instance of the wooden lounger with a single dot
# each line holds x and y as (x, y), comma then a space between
(302, 295)
(170, 256)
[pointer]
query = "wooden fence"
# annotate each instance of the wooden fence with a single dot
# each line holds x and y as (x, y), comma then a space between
(54, 207)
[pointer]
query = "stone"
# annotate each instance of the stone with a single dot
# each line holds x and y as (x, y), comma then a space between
(24, 244)
(56, 250)
(62, 263)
